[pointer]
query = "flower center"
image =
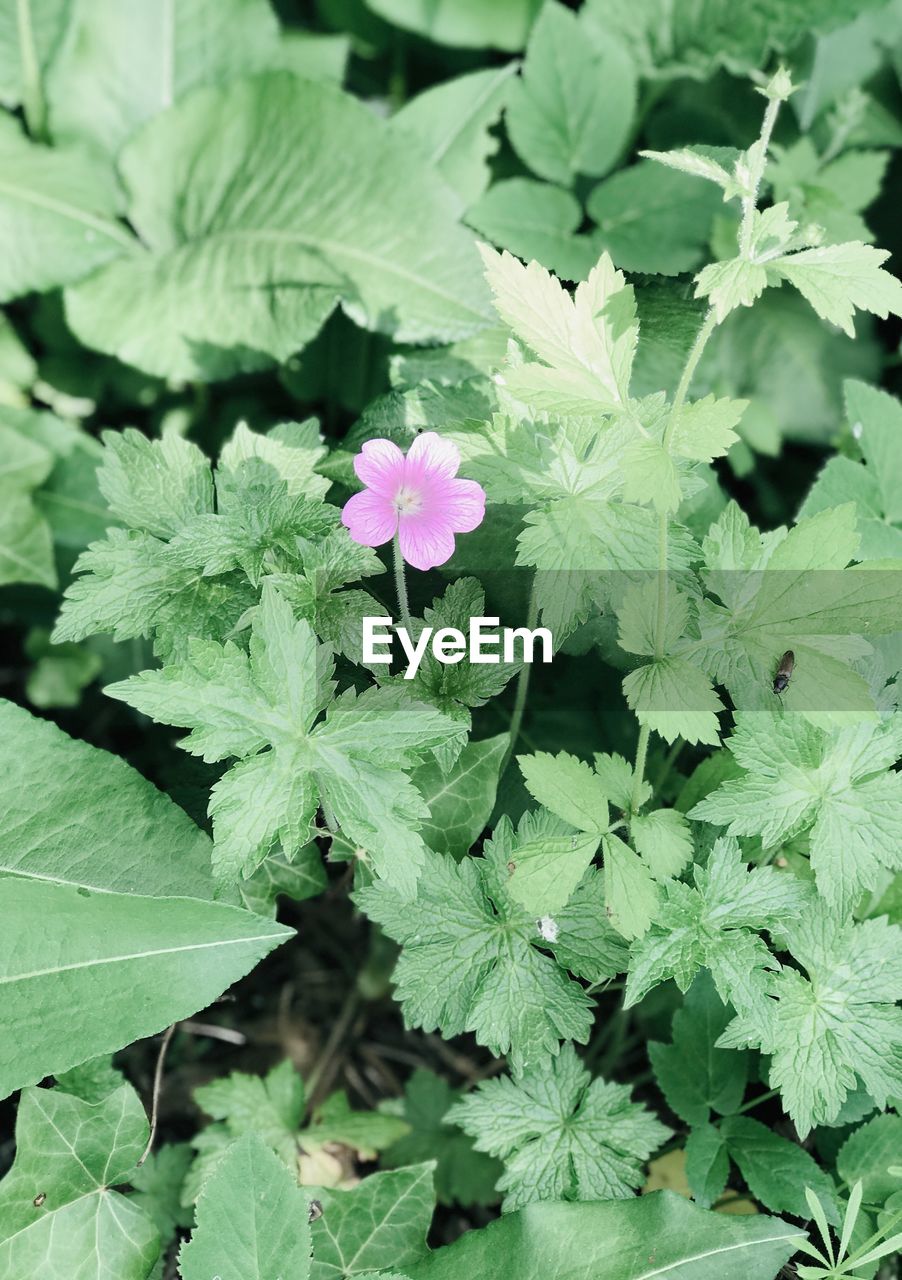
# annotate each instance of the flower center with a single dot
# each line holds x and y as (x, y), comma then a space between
(408, 501)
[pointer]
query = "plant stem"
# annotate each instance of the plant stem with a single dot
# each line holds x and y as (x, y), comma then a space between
(532, 616)
(759, 151)
(754, 1102)
(32, 90)
(401, 586)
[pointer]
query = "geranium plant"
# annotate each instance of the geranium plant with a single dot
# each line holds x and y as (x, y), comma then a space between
(564, 937)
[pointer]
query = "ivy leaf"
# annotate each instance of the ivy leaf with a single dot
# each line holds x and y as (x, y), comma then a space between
(837, 279)
(381, 1223)
(70, 1154)
(462, 1175)
(170, 309)
(711, 925)
(461, 800)
(694, 1075)
(571, 110)
(261, 708)
(469, 960)
(251, 1220)
(838, 786)
(835, 1027)
(561, 1134)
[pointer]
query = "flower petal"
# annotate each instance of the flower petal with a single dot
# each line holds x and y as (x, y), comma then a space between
(463, 504)
(380, 465)
(432, 452)
(370, 518)
(425, 541)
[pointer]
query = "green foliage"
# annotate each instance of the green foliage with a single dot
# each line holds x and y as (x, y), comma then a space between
(561, 1135)
(241, 242)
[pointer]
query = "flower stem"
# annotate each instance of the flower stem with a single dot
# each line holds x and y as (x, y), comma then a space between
(532, 616)
(401, 586)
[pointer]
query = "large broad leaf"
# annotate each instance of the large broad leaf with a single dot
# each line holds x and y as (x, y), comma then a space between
(122, 874)
(59, 1215)
(120, 65)
(58, 208)
(660, 1235)
(262, 205)
(29, 33)
(503, 24)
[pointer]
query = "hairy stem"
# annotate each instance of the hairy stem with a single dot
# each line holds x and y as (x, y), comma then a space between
(401, 586)
(532, 617)
(759, 153)
(33, 103)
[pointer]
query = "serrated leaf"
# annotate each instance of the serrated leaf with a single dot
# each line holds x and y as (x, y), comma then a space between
(837, 279)
(674, 698)
(571, 110)
(711, 925)
(731, 284)
(630, 891)
(777, 1172)
(839, 1025)
(561, 1135)
(464, 926)
(536, 220)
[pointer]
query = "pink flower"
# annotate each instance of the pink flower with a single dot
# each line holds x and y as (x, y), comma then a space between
(418, 497)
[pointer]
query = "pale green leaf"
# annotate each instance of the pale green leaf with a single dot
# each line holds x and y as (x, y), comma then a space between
(380, 1223)
(837, 279)
(467, 24)
(630, 891)
(675, 699)
(217, 218)
(536, 220)
(731, 284)
(251, 1220)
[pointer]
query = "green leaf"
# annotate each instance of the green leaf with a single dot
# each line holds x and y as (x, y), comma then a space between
(111, 75)
(460, 801)
(586, 343)
(466, 24)
(675, 699)
(629, 888)
(711, 924)
(170, 310)
(60, 209)
(835, 786)
(694, 1075)
(615, 1240)
(468, 960)
(869, 1154)
(835, 1027)
(381, 1223)
(261, 708)
(584, 940)
(536, 220)
(652, 219)
(568, 787)
(561, 1134)
(548, 868)
(77, 816)
(707, 1164)
(650, 474)
(837, 279)
(462, 1174)
(571, 111)
(664, 841)
(705, 429)
(777, 1172)
(179, 952)
(58, 1208)
(29, 35)
(452, 120)
(728, 285)
(26, 546)
(158, 1186)
(251, 1220)
(302, 877)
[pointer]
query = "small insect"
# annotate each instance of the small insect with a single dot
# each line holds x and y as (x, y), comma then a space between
(511, 867)
(39, 1199)
(784, 671)
(315, 1211)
